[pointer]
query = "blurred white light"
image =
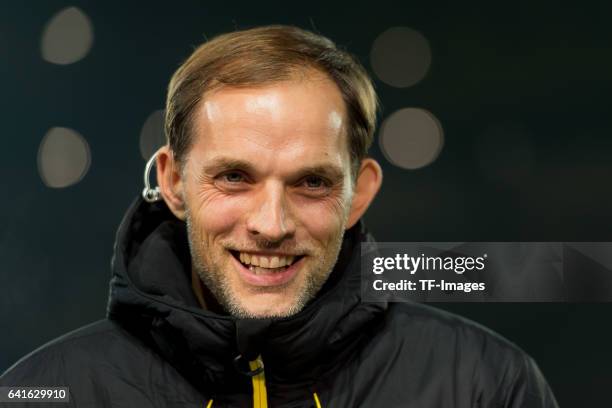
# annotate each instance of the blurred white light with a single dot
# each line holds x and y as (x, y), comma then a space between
(63, 157)
(152, 135)
(411, 138)
(400, 57)
(67, 37)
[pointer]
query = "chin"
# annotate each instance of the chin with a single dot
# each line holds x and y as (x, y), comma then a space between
(267, 306)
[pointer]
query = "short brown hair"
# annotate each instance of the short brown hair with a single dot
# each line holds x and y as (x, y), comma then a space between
(265, 55)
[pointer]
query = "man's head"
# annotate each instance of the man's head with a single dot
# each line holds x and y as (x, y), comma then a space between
(268, 131)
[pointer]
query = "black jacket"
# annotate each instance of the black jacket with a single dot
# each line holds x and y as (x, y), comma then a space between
(158, 348)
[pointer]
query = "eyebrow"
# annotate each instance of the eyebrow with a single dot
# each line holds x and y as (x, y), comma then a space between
(221, 164)
(329, 171)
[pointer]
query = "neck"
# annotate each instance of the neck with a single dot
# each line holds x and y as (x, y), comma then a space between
(205, 298)
(196, 284)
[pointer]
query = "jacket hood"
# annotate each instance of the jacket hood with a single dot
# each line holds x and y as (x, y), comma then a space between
(151, 296)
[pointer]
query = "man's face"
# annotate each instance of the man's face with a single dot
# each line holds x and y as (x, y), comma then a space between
(267, 191)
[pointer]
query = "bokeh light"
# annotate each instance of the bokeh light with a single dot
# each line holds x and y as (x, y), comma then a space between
(401, 57)
(411, 138)
(67, 37)
(63, 157)
(152, 135)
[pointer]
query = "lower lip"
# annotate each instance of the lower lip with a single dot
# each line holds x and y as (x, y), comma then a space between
(267, 279)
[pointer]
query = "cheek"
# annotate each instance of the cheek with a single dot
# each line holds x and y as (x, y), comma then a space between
(215, 212)
(323, 220)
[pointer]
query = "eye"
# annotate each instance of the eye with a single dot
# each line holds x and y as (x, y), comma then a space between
(233, 177)
(232, 180)
(314, 186)
(314, 182)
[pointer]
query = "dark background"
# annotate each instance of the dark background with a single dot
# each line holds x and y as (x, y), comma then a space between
(542, 70)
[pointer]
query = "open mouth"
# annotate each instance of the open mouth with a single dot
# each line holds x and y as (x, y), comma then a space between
(265, 264)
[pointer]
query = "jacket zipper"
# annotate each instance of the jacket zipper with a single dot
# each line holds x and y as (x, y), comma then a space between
(260, 396)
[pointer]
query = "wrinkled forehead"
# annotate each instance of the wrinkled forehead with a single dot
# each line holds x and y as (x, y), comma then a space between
(300, 119)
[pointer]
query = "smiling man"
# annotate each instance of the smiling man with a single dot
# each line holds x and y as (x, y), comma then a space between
(236, 283)
(266, 191)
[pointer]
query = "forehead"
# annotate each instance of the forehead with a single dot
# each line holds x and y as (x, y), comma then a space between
(299, 119)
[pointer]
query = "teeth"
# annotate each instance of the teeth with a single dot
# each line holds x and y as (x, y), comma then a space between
(274, 262)
(266, 261)
(265, 271)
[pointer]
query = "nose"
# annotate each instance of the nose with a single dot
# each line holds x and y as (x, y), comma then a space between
(270, 217)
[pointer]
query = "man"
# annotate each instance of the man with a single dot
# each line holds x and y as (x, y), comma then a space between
(242, 287)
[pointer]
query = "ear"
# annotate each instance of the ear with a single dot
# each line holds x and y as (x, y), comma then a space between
(170, 182)
(369, 180)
